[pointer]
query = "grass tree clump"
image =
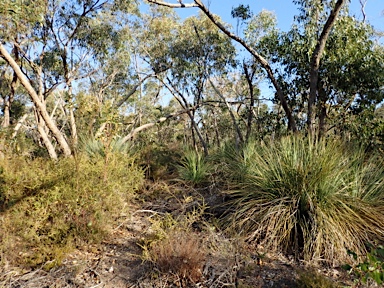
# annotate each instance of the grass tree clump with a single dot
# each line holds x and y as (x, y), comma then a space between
(315, 200)
(193, 167)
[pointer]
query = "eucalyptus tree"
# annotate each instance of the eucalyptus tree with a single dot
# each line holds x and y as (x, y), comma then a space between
(185, 55)
(318, 20)
(60, 43)
(349, 78)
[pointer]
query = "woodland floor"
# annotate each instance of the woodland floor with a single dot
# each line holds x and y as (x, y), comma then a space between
(117, 262)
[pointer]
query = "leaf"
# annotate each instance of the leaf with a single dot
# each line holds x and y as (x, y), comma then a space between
(377, 276)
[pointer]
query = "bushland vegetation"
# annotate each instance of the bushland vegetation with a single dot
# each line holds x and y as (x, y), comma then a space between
(110, 110)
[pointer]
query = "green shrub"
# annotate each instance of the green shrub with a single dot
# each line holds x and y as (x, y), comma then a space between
(372, 268)
(54, 206)
(314, 200)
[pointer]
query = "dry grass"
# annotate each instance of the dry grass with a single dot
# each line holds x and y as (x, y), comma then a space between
(180, 254)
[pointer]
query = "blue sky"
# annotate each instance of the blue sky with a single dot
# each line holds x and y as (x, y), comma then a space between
(285, 10)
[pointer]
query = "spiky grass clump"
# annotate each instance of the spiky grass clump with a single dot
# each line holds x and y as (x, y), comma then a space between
(193, 168)
(314, 200)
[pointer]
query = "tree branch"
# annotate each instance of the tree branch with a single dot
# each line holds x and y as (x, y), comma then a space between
(160, 120)
(171, 5)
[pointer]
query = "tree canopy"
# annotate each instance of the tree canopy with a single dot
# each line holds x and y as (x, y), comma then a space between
(80, 68)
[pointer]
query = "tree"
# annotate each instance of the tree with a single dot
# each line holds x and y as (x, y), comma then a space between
(65, 45)
(316, 54)
(187, 55)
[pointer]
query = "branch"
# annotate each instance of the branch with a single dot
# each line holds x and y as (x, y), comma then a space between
(363, 3)
(171, 5)
(133, 90)
(160, 120)
(229, 110)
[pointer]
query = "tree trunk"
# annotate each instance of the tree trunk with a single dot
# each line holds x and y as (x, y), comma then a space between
(239, 137)
(40, 106)
(6, 117)
(315, 64)
(322, 111)
(251, 103)
(44, 136)
(8, 100)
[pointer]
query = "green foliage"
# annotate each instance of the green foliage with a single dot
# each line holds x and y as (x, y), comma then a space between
(52, 207)
(193, 167)
(20, 16)
(366, 127)
(96, 148)
(310, 199)
(158, 160)
(371, 268)
(242, 12)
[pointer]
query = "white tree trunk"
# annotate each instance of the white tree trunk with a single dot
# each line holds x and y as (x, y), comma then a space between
(40, 106)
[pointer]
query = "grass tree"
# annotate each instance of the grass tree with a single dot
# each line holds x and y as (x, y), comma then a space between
(313, 200)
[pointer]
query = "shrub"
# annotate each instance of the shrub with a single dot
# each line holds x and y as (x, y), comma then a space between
(311, 199)
(54, 206)
(173, 248)
(372, 268)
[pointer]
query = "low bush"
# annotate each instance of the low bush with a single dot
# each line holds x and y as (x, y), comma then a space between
(51, 207)
(311, 199)
(371, 269)
(179, 254)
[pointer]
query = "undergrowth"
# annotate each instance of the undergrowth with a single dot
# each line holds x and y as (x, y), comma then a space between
(174, 249)
(49, 208)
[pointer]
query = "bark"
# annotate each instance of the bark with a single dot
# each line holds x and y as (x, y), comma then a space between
(322, 111)
(252, 101)
(8, 100)
(40, 107)
(315, 63)
(6, 117)
(18, 125)
(44, 136)
(261, 60)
